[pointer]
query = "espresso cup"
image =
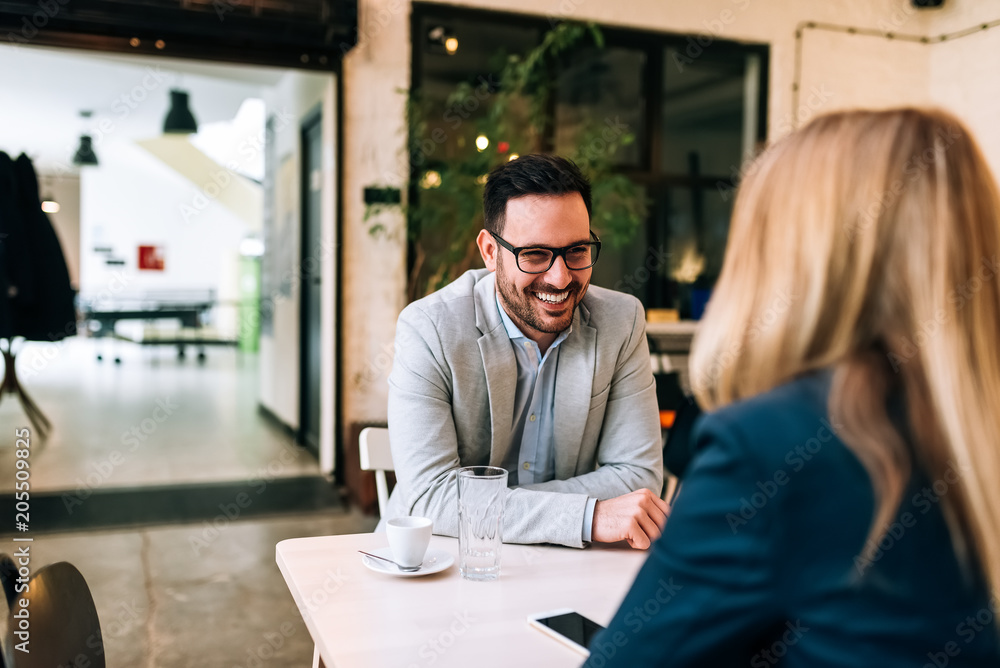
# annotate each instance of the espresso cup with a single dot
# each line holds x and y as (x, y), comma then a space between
(408, 539)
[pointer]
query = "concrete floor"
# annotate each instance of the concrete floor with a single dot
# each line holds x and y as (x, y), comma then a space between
(166, 602)
(170, 421)
(180, 595)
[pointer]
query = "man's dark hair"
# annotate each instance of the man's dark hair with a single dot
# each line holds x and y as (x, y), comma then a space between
(535, 174)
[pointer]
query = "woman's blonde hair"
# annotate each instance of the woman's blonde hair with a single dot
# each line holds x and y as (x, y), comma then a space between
(867, 242)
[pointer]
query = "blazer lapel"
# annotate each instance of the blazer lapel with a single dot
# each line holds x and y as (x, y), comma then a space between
(500, 367)
(574, 384)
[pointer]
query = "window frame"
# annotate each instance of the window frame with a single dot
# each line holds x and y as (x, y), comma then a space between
(654, 45)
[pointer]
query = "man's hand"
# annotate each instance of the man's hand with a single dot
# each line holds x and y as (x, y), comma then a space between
(637, 517)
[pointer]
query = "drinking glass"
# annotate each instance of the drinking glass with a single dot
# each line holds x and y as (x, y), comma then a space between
(482, 491)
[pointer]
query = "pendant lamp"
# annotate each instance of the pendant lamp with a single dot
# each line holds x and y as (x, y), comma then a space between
(179, 119)
(85, 155)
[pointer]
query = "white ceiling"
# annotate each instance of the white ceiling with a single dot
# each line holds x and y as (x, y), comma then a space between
(43, 90)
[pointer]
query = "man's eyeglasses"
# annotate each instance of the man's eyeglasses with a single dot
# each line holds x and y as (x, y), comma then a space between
(539, 259)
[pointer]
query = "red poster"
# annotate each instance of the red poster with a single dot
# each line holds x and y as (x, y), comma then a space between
(151, 258)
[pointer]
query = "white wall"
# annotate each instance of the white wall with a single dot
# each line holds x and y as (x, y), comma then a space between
(964, 79)
(65, 190)
(855, 71)
(295, 97)
(133, 199)
(869, 71)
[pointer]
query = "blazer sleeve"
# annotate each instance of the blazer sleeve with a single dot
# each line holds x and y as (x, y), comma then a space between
(424, 445)
(707, 595)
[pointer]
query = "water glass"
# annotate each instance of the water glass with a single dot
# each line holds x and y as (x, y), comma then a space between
(482, 491)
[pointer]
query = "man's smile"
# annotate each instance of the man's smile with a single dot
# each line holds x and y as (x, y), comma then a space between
(552, 297)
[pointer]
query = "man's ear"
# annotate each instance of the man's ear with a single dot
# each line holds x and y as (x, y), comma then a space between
(488, 248)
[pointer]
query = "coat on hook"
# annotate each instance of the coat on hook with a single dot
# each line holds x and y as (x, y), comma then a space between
(36, 297)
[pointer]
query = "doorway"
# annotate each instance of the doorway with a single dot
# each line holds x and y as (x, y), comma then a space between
(311, 306)
(221, 196)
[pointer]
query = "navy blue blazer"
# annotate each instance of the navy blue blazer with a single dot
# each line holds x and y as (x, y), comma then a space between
(760, 561)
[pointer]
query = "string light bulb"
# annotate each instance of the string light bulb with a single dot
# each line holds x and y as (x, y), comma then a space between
(430, 179)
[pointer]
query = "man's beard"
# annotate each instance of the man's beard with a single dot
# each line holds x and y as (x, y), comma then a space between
(525, 308)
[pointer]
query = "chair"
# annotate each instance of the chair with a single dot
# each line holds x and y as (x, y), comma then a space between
(8, 577)
(678, 414)
(65, 628)
(376, 456)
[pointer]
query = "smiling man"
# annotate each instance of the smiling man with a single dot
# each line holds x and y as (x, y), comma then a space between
(526, 366)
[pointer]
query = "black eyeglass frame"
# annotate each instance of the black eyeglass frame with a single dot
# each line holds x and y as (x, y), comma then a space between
(556, 252)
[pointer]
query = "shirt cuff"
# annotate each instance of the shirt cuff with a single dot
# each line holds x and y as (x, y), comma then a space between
(588, 519)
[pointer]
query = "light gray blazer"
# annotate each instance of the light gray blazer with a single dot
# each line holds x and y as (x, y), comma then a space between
(451, 404)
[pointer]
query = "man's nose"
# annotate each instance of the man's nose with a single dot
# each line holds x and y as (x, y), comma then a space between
(558, 274)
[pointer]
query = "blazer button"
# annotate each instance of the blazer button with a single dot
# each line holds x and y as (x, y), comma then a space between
(532, 418)
(527, 466)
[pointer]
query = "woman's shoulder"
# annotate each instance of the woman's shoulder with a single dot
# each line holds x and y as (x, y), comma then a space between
(782, 427)
(781, 451)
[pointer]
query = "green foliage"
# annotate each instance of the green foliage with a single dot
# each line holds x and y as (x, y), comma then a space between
(516, 113)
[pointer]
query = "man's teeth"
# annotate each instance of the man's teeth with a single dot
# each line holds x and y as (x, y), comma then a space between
(552, 298)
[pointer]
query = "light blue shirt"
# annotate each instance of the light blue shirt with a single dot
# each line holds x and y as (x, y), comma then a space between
(532, 428)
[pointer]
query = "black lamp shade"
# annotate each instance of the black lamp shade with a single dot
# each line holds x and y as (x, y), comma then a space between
(85, 154)
(179, 119)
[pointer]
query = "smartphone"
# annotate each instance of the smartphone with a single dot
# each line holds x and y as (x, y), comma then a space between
(568, 627)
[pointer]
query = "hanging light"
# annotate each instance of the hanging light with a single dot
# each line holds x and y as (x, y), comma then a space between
(179, 119)
(85, 155)
(49, 203)
(442, 39)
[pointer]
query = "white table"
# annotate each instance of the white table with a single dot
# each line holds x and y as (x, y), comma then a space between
(359, 618)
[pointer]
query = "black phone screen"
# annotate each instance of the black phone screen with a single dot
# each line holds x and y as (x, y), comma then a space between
(574, 626)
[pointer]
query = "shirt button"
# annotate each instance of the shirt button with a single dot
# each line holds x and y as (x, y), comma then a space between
(527, 344)
(532, 418)
(527, 466)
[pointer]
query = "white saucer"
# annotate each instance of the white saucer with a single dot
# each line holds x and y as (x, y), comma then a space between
(435, 561)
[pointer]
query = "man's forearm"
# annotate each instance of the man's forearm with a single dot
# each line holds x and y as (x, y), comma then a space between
(606, 482)
(530, 516)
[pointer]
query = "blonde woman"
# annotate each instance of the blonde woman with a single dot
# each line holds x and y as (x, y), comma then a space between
(843, 507)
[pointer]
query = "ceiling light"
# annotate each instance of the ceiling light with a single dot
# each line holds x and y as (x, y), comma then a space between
(251, 247)
(85, 155)
(179, 119)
